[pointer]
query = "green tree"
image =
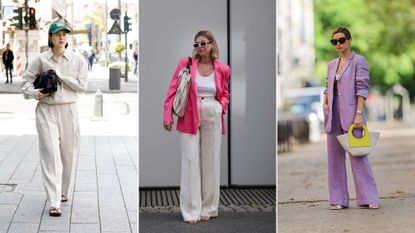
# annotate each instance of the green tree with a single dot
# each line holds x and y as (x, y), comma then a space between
(96, 17)
(382, 31)
(119, 48)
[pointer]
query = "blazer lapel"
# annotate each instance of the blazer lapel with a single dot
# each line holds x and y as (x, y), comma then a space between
(332, 72)
(345, 67)
(193, 71)
(349, 59)
(217, 78)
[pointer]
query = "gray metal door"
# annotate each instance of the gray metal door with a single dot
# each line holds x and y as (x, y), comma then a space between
(166, 35)
(253, 98)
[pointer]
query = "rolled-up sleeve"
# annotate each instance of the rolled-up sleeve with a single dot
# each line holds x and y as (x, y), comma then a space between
(362, 78)
(29, 76)
(327, 79)
(78, 83)
(71, 71)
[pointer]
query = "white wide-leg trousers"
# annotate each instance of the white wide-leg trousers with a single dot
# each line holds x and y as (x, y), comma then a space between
(200, 180)
(58, 129)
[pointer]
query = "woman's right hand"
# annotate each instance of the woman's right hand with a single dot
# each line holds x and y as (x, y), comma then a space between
(167, 126)
(42, 95)
(325, 108)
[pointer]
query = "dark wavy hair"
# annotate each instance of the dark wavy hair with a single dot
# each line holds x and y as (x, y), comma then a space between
(343, 30)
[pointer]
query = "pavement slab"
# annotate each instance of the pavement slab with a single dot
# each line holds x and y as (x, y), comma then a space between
(108, 148)
(260, 222)
(99, 202)
(24, 228)
(395, 215)
(303, 192)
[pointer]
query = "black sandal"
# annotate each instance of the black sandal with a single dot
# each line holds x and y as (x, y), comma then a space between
(64, 198)
(55, 212)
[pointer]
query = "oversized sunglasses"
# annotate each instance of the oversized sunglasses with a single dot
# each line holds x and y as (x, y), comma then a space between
(340, 40)
(201, 44)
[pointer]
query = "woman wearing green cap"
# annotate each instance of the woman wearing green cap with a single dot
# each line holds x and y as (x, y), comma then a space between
(56, 114)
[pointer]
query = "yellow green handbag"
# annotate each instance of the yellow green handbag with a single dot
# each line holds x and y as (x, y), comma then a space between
(358, 146)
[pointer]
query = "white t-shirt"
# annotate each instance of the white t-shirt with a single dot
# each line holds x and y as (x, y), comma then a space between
(206, 86)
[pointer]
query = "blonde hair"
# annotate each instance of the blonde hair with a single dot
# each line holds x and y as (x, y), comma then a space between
(214, 53)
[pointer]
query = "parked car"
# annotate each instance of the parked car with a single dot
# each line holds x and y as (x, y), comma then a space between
(306, 103)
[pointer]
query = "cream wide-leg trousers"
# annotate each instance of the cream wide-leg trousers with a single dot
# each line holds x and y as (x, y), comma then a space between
(58, 129)
(199, 184)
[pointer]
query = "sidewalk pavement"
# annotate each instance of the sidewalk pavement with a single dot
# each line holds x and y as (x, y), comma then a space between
(104, 197)
(226, 222)
(241, 218)
(241, 210)
(98, 78)
(302, 192)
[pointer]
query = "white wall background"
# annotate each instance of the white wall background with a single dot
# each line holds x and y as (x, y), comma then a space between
(167, 29)
(166, 34)
(253, 109)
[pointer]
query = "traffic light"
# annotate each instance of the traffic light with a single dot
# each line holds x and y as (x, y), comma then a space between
(19, 18)
(32, 18)
(127, 24)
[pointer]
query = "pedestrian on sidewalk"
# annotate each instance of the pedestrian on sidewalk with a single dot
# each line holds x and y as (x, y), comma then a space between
(8, 58)
(56, 114)
(135, 58)
(346, 91)
(200, 128)
(91, 58)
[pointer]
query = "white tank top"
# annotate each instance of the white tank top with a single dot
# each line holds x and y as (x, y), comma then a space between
(337, 77)
(206, 86)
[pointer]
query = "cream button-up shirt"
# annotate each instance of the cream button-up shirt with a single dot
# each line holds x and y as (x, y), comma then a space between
(71, 71)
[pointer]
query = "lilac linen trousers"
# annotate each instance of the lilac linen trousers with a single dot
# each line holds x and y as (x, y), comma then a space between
(364, 182)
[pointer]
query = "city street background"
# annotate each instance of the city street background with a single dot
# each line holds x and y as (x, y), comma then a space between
(120, 108)
(104, 197)
(382, 34)
(303, 191)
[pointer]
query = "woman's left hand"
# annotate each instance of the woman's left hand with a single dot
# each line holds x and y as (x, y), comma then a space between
(358, 121)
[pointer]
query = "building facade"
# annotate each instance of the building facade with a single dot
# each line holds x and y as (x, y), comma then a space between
(295, 50)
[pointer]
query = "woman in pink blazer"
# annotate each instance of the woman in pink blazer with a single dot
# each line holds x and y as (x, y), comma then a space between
(346, 91)
(200, 128)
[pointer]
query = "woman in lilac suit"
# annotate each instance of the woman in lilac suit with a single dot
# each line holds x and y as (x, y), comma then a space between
(346, 91)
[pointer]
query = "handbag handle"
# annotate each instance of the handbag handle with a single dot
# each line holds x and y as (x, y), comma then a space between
(189, 63)
(359, 142)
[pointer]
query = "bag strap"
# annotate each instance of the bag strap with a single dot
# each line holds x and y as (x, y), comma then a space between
(189, 63)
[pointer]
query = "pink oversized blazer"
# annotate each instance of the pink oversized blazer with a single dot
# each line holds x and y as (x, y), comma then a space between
(354, 81)
(189, 123)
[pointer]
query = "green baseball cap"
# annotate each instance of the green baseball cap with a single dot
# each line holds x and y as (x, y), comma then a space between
(58, 26)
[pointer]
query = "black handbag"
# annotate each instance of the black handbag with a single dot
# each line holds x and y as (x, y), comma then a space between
(47, 81)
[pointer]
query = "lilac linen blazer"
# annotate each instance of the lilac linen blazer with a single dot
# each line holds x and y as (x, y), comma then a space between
(189, 123)
(354, 81)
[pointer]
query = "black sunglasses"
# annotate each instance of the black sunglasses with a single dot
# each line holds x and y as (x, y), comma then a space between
(201, 44)
(340, 40)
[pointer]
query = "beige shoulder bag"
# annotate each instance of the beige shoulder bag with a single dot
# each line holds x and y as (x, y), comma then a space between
(182, 92)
